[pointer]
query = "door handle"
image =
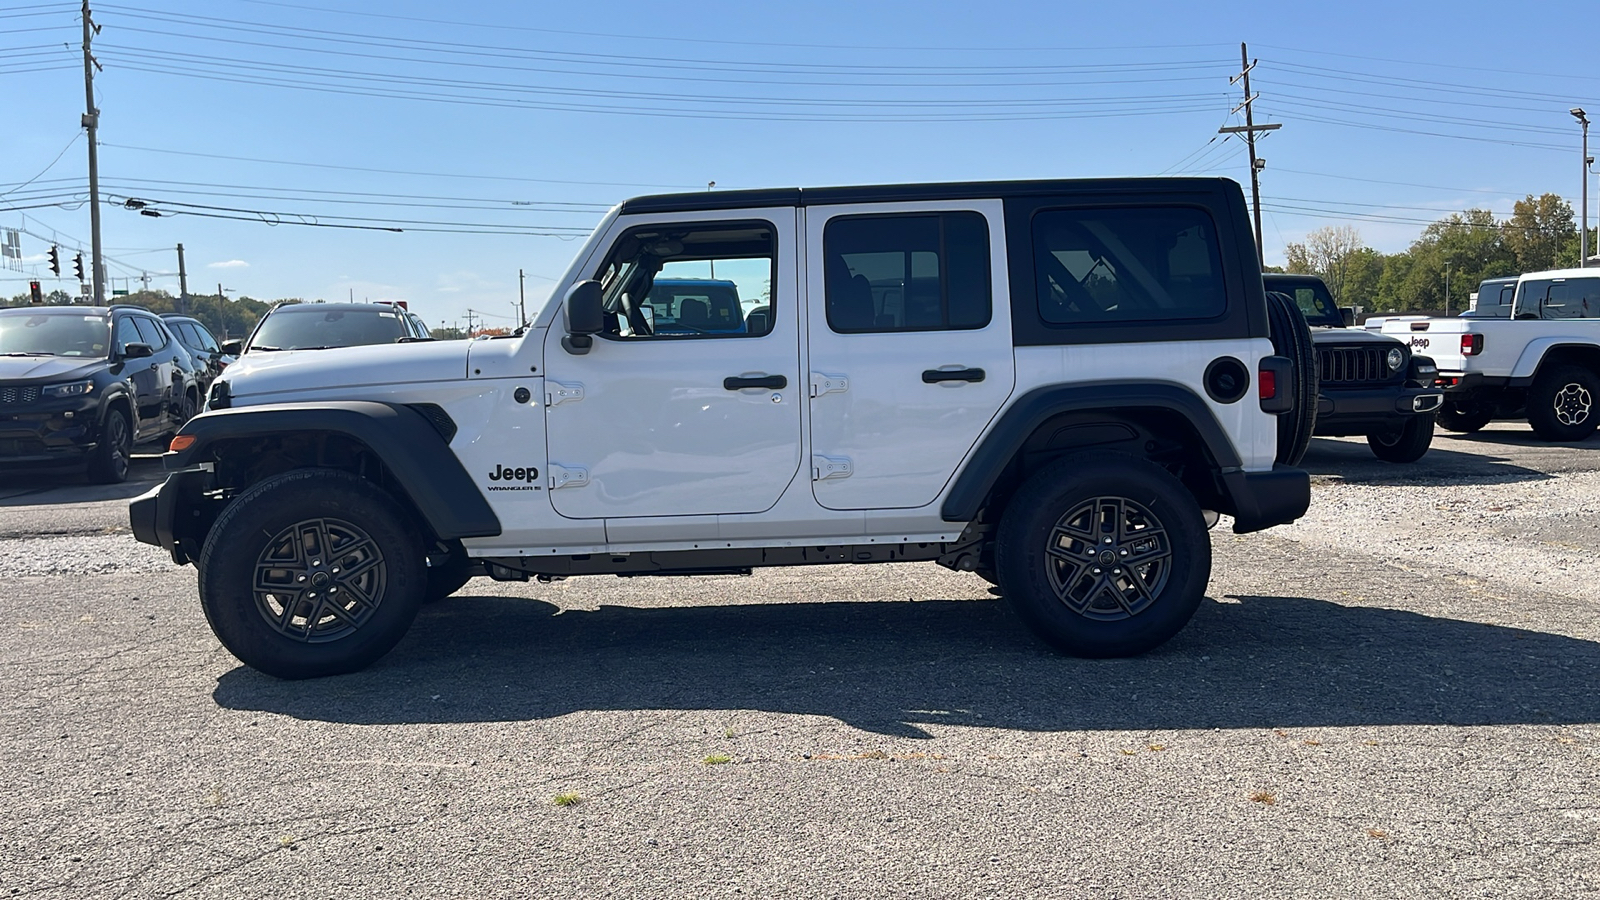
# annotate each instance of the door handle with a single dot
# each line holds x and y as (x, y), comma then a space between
(935, 376)
(741, 382)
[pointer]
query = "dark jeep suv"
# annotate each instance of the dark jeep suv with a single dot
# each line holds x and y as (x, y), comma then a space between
(80, 385)
(1369, 384)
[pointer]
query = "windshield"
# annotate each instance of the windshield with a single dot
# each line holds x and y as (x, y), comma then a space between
(683, 306)
(57, 334)
(1312, 296)
(307, 327)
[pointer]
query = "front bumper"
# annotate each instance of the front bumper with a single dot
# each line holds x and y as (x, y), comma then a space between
(1264, 499)
(49, 433)
(1370, 410)
(153, 515)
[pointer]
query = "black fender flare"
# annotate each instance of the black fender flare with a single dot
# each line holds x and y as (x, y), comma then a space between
(405, 441)
(985, 464)
(117, 391)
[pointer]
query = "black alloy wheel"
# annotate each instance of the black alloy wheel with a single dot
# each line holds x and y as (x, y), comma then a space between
(1103, 555)
(319, 580)
(1464, 414)
(312, 572)
(109, 461)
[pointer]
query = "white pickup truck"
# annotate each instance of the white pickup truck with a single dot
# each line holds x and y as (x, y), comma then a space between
(1542, 363)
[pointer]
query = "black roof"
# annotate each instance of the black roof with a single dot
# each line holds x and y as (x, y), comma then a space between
(325, 307)
(881, 193)
(64, 310)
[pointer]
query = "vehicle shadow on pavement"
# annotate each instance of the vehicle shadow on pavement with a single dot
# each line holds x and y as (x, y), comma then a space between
(51, 488)
(892, 668)
(1354, 463)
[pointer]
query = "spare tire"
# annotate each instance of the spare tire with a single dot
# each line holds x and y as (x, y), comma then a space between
(1291, 338)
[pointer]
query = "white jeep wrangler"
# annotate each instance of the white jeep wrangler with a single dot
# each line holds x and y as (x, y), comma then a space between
(1056, 385)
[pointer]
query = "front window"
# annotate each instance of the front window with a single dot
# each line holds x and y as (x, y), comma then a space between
(691, 281)
(53, 334)
(309, 328)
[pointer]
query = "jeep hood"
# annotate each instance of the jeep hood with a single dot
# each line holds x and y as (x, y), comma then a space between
(1324, 336)
(287, 371)
(48, 368)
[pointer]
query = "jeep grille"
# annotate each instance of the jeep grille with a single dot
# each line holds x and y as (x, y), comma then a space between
(19, 394)
(1353, 365)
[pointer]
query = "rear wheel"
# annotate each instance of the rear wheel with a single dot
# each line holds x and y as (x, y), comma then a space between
(1464, 414)
(1406, 445)
(1103, 555)
(1561, 403)
(1291, 338)
(312, 572)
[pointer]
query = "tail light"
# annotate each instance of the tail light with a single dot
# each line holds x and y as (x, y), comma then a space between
(1275, 384)
(1269, 384)
(1471, 344)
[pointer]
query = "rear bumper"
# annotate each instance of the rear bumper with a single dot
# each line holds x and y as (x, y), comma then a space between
(1264, 499)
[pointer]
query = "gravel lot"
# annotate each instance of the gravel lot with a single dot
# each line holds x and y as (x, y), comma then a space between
(1393, 698)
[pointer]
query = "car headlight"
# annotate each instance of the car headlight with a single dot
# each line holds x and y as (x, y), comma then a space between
(1397, 358)
(75, 389)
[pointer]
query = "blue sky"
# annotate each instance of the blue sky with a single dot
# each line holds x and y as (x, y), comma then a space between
(531, 118)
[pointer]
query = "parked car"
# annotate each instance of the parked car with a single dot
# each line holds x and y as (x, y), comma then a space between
(320, 326)
(80, 386)
(1064, 418)
(1368, 384)
(1542, 363)
(1493, 299)
(202, 346)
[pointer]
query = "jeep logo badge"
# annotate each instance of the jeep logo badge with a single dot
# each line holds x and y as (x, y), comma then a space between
(504, 473)
(1419, 343)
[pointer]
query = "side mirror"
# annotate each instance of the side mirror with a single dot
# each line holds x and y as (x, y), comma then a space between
(1347, 314)
(136, 350)
(232, 348)
(586, 316)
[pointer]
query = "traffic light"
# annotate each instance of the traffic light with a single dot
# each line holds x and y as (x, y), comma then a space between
(55, 261)
(34, 293)
(77, 265)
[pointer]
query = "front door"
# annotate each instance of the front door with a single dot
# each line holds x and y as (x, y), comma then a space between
(910, 346)
(144, 374)
(689, 402)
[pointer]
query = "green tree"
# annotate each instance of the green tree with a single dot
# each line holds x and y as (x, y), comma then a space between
(1537, 231)
(1337, 255)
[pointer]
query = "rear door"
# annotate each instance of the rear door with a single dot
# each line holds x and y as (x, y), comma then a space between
(910, 346)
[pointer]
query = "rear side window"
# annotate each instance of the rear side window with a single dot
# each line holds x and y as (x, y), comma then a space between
(1561, 298)
(1127, 265)
(907, 273)
(153, 333)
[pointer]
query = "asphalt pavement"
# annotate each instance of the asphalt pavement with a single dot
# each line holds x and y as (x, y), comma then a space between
(1368, 704)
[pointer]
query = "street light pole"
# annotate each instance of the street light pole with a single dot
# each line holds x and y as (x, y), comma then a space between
(1583, 232)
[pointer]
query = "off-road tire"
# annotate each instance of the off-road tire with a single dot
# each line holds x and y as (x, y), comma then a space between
(295, 531)
(1075, 589)
(1291, 338)
(1464, 415)
(109, 460)
(1564, 403)
(1406, 445)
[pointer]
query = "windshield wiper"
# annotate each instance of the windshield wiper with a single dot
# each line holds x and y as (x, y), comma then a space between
(262, 347)
(28, 353)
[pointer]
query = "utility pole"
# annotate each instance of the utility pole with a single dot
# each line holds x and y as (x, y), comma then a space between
(91, 121)
(183, 284)
(1249, 130)
(522, 300)
(469, 323)
(1583, 233)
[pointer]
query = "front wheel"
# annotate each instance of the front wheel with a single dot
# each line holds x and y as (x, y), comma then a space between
(108, 462)
(1104, 555)
(312, 572)
(1406, 445)
(1561, 403)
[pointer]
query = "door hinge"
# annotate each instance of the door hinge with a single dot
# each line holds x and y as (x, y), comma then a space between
(828, 384)
(826, 467)
(557, 393)
(565, 476)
